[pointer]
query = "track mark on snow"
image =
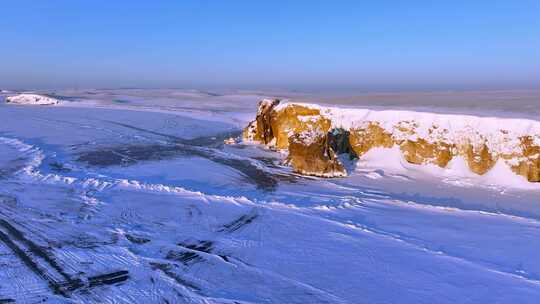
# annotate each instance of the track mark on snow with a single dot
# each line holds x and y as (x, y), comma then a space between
(239, 223)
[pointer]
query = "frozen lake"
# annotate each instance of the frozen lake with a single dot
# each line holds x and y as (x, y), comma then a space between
(130, 196)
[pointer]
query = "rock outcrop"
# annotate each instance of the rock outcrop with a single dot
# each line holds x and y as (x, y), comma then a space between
(311, 154)
(315, 135)
(478, 156)
(363, 139)
(260, 129)
(422, 152)
(294, 119)
(301, 130)
(527, 161)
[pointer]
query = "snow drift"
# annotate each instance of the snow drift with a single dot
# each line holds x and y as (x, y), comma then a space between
(423, 138)
(32, 99)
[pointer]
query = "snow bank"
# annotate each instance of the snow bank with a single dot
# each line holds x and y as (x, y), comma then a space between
(32, 99)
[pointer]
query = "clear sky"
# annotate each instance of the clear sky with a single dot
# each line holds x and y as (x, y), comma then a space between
(365, 45)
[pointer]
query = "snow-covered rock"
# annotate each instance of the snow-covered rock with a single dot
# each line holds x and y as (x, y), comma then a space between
(310, 153)
(422, 137)
(32, 99)
(260, 127)
(303, 131)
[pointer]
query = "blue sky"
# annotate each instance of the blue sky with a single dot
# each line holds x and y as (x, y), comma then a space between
(326, 45)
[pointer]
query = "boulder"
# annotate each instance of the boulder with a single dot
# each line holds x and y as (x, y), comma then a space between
(294, 119)
(310, 154)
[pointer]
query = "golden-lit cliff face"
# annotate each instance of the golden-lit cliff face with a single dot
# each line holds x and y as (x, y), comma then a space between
(423, 152)
(418, 151)
(479, 159)
(311, 154)
(295, 119)
(260, 129)
(301, 130)
(274, 128)
(308, 135)
(528, 159)
(371, 136)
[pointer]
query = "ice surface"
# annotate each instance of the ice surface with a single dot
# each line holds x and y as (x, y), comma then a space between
(130, 196)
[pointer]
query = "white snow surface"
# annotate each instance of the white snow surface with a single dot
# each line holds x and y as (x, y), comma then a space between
(32, 99)
(139, 181)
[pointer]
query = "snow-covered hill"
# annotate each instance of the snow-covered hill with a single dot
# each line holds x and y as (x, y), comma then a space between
(32, 99)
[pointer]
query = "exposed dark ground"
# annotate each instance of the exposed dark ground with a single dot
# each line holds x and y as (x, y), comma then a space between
(205, 147)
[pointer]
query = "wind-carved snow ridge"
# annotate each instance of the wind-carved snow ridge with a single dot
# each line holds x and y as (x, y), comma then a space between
(32, 154)
(32, 99)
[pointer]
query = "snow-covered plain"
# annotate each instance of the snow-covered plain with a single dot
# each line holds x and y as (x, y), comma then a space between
(31, 99)
(129, 196)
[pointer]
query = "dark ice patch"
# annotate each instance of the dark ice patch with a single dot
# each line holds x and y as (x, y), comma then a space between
(108, 278)
(185, 257)
(133, 154)
(168, 270)
(137, 239)
(239, 223)
(204, 246)
(204, 147)
(58, 167)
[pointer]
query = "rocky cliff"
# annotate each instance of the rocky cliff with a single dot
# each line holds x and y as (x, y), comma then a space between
(313, 135)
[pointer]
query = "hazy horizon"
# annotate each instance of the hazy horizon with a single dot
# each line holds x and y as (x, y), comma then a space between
(350, 46)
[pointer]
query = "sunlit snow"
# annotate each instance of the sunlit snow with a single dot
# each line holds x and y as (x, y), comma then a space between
(131, 196)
